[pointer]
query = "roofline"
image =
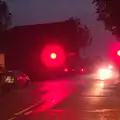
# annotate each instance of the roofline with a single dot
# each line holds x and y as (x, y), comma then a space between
(31, 25)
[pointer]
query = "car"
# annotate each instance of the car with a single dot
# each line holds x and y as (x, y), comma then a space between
(12, 79)
(16, 78)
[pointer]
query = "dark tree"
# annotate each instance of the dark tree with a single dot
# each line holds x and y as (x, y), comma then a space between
(84, 34)
(108, 11)
(5, 17)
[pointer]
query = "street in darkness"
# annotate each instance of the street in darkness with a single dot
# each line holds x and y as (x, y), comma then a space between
(73, 98)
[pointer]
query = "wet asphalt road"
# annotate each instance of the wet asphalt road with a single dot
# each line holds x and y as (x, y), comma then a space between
(73, 98)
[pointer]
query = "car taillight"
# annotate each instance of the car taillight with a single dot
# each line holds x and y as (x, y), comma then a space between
(19, 78)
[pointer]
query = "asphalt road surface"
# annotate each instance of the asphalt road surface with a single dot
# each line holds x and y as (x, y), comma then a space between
(73, 98)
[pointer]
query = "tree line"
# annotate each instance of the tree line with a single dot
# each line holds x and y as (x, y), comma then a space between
(5, 24)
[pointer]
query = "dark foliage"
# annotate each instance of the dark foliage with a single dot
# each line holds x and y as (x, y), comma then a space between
(5, 17)
(108, 11)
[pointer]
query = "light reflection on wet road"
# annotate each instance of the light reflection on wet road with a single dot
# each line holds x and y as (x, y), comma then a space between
(63, 99)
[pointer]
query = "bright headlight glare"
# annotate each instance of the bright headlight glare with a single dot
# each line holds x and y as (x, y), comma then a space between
(110, 67)
(104, 74)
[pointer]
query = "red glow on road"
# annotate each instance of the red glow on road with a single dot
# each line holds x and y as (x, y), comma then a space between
(56, 92)
(53, 56)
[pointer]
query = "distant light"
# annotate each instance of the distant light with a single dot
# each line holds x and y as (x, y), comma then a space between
(82, 70)
(65, 69)
(104, 74)
(72, 69)
(53, 56)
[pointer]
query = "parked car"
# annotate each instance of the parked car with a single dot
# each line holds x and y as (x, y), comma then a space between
(16, 77)
(13, 79)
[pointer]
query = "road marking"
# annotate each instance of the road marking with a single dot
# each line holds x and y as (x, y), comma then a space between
(28, 108)
(27, 113)
(12, 118)
(102, 110)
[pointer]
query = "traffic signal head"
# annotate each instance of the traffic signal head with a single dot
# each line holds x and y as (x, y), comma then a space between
(114, 53)
(53, 56)
(118, 52)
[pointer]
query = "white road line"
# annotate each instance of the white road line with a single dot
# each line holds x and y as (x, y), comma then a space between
(27, 113)
(102, 110)
(28, 108)
(12, 118)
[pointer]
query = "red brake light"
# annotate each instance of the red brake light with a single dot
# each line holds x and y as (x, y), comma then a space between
(65, 69)
(82, 70)
(19, 78)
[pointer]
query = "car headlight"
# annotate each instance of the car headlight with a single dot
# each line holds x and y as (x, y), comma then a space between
(110, 66)
(9, 79)
(104, 74)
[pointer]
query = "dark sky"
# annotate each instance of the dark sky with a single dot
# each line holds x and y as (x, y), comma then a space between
(41, 11)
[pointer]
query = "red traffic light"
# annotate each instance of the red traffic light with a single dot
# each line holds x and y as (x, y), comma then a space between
(114, 53)
(53, 55)
(118, 52)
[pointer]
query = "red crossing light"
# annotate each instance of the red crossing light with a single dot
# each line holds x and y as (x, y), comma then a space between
(53, 56)
(118, 52)
(114, 53)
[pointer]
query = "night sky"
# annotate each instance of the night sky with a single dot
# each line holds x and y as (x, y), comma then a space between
(42, 11)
